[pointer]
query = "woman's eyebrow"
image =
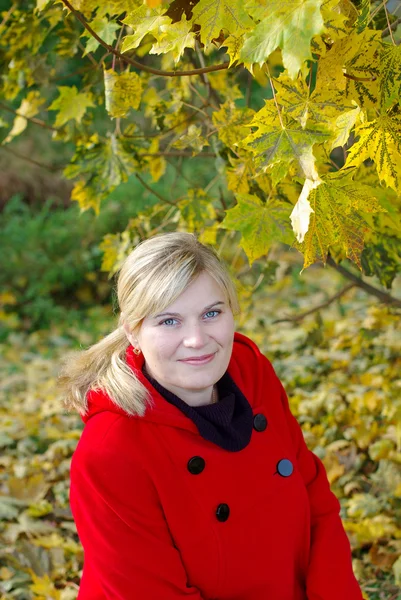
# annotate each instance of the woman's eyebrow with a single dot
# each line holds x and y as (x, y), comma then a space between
(173, 314)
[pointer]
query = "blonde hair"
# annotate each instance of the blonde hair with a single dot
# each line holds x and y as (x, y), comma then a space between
(154, 274)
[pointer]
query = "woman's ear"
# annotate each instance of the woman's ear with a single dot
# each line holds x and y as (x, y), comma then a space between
(127, 330)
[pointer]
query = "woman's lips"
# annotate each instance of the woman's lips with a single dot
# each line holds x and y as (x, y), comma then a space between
(202, 360)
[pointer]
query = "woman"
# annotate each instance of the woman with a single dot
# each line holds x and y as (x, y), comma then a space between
(191, 478)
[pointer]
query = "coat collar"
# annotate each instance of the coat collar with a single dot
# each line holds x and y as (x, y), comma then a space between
(245, 368)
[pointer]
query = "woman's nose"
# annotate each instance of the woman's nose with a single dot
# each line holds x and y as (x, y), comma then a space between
(195, 337)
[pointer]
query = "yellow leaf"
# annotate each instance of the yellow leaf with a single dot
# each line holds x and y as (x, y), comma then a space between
(122, 92)
(29, 108)
(379, 140)
(43, 587)
(85, 197)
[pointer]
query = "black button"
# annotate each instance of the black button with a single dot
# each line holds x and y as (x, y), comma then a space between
(196, 464)
(285, 467)
(222, 512)
(260, 422)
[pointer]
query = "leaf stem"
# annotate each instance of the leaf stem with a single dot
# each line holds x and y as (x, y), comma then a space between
(134, 62)
(274, 98)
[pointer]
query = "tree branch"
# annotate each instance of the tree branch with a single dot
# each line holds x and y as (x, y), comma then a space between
(31, 119)
(31, 160)
(180, 153)
(316, 308)
(134, 62)
(382, 296)
(145, 185)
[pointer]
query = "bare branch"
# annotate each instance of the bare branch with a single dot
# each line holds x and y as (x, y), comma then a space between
(31, 160)
(134, 62)
(382, 296)
(145, 185)
(297, 318)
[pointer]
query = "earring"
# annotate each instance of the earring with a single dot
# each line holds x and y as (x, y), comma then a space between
(137, 351)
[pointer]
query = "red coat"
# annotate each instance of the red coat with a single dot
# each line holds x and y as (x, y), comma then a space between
(153, 530)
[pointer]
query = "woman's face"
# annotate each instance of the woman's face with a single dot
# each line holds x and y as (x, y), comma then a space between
(198, 324)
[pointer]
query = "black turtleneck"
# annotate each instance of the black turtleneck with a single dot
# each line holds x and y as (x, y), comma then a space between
(228, 423)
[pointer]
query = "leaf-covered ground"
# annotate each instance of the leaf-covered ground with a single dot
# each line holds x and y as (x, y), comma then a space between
(340, 367)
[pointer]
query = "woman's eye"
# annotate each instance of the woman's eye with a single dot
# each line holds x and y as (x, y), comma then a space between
(168, 322)
(213, 313)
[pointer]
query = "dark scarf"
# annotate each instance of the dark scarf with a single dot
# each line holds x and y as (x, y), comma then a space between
(228, 423)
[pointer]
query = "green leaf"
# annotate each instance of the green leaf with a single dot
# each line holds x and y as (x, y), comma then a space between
(338, 205)
(364, 14)
(278, 142)
(99, 169)
(260, 224)
(123, 91)
(289, 25)
(175, 38)
(379, 140)
(144, 20)
(226, 15)
(29, 108)
(71, 104)
(105, 29)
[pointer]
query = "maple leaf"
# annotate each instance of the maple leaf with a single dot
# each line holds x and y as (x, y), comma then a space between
(105, 29)
(29, 108)
(278, 142)
(214, 16)
(193, 139)
(123, 91)
(322, 107)
(390, 74)
(196, 210)
(259, 223)
(233, 43)
(379, 140)
(144, 20)
(338, 205)
(100, 168)
(289, 25)
(71, 104)
(231, 122)
(175, 38)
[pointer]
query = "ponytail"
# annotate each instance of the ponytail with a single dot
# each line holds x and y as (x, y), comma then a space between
(102, 367)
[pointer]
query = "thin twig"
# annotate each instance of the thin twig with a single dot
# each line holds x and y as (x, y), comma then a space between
(393, 27)
(120, 33)
(161, 133)
(134, 62)
(31, 119)
(7, 16)
(325, 304)
(145, 185)
(248, 90)
(382, 296)
(180, 153)
(89, 55)
(31, 160)
(388, 22)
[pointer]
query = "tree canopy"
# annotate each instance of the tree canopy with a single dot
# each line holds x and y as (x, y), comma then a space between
(291, 106)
